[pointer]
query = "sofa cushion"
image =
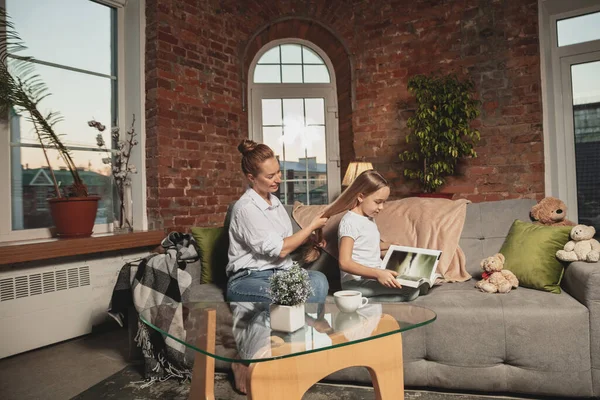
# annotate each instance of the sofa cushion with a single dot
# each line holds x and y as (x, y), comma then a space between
(214, 245)
(486, 227)
(513, 339)
(530, 252)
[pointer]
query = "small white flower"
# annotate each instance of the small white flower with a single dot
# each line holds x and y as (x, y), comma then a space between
(132, 169)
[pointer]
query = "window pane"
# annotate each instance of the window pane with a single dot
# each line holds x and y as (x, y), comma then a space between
(315, 143)
(316, 74)
(310, 57)
(315, 111)
(78, 98)
(273, 138)
(292, 73)
(305, 150)
(579, 29)
(267, 74)
(75, 33)
(271, 112)
(293, 130)
(318, 189)
(32, 185)
(291, 54)
(586, 121)
(270, 57)
(294, 183)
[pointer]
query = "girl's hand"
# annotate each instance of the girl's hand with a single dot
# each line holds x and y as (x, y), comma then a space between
(388, 278)
(318, 222)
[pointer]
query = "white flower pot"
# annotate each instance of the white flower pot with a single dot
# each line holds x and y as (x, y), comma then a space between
(287, 318)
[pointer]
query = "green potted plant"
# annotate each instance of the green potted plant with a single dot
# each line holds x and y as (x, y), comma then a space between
(440, 129)
(21, 89)
(289, 291)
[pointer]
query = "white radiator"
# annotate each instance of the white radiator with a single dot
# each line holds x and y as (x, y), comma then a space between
(45, 305)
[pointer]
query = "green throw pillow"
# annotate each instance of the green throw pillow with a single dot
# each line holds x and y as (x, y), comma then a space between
(530, 252)
(214, 245)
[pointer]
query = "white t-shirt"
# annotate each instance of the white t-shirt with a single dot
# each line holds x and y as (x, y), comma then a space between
(256, 234)
(366, 250)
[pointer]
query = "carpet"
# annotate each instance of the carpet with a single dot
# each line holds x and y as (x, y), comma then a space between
(127, 384)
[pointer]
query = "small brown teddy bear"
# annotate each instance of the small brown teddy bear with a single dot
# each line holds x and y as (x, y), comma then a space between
(495, 278)
(550, 211)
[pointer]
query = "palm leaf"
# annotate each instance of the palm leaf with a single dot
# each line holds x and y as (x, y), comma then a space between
(22, 88)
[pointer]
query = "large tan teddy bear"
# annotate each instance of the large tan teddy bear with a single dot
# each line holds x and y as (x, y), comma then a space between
(495, 278)
(550, 211)
(583, 247)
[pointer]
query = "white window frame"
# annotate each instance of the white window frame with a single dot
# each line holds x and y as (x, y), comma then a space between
(557, 104)
(327, 91)
(131, 25)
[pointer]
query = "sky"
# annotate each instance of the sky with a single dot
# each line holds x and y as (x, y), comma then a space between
(82, 30)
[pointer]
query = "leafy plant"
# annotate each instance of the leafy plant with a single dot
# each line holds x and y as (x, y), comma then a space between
(290, 287)
(441, 131)
(23, 90)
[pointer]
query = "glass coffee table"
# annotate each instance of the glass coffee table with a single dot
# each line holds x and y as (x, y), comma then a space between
(286, 365)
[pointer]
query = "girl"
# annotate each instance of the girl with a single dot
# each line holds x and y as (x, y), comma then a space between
(359, 241)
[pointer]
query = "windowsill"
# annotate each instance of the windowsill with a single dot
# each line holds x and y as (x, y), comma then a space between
(45, 249)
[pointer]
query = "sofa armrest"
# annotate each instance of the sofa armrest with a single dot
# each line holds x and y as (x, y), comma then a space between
(582, 281)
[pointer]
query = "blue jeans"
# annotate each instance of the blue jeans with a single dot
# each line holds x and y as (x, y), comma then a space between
(252, 286)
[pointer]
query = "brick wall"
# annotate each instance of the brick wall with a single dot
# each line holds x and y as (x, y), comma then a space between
(197, 57)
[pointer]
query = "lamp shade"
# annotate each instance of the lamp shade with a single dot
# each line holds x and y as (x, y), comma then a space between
(355, 169)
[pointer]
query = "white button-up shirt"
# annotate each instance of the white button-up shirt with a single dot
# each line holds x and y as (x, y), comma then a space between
(256, 234)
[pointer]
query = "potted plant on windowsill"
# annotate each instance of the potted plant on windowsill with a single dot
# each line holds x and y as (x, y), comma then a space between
(440, 129)
(73, 209)
(289, 291)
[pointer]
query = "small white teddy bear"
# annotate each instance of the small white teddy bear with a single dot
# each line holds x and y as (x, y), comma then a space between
(583, 247)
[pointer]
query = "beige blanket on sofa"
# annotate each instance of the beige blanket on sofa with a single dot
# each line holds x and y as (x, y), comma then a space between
(416, 222)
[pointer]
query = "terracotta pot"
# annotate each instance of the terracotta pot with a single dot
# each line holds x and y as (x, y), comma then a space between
(435, 195)
(74, 216)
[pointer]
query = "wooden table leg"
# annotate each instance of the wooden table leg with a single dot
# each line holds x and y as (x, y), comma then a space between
(203, 374)
(290, 378)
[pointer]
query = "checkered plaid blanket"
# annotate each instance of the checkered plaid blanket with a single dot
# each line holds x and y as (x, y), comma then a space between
(159, 279)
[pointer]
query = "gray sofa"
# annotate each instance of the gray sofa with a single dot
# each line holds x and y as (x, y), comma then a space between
(524, 342)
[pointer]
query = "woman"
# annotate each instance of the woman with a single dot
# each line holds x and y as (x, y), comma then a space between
(260, 232)
(261, 239)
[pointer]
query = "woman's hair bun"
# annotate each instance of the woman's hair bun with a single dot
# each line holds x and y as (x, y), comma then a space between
(246, 146)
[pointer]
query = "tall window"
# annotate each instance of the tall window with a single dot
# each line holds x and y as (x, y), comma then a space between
(74, 46)
(571, 62)
(293, 110)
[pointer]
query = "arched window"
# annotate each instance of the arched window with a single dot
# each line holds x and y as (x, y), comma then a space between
(293, 109)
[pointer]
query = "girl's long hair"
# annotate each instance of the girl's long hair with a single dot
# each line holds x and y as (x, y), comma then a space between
(366, 183)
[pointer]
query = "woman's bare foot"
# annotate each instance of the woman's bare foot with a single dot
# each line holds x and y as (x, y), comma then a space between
(240, 374)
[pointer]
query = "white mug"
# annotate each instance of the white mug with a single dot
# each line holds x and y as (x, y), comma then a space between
(349, 300)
